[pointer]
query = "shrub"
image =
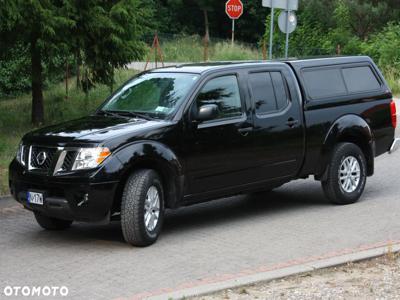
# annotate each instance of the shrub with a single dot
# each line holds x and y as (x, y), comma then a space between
(384, 48)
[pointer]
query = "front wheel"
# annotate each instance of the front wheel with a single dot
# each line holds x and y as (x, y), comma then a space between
(142, 208)
(347, 174)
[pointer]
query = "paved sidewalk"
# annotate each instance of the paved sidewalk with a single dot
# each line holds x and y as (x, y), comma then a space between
(7, 201)
(210, 241)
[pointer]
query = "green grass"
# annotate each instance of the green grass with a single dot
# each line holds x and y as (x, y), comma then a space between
(226, 51)
(183, 49)
(191, 49)
(15, 115)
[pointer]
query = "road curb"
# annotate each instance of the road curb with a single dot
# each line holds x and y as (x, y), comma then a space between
(365, 252)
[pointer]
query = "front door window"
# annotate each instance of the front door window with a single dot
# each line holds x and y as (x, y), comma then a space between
(223, 92)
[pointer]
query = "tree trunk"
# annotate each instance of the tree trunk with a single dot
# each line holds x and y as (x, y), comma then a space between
(206, 34)
(78, 69)
(112, 81)
(37, 84)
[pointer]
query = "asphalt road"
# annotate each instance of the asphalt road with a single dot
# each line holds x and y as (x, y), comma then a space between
(200, 243)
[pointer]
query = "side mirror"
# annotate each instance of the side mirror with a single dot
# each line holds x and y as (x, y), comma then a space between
(207, 112)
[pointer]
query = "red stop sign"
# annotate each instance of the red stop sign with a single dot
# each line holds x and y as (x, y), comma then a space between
(234, 9)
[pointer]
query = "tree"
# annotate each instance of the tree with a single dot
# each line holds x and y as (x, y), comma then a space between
(35, 24)
(367, 17)
(104, 33)
(115, 41)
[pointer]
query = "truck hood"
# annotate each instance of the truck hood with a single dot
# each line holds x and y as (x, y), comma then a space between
(91, 129)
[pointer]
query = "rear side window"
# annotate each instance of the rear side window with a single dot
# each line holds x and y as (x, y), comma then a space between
(323, 83)
(360, 79)
(339, 81)
(268, 91)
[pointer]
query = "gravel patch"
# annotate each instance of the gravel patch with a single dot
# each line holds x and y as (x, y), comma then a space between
(377, 278)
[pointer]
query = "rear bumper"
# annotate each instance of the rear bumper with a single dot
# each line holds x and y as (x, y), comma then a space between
(395, 145)
(77, 199)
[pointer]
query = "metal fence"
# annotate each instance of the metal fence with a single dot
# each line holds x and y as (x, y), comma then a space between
(178, 48)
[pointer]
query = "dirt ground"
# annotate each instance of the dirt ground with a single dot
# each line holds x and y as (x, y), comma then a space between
(377, 278)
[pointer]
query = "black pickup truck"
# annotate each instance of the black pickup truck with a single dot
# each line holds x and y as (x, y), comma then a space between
(181, 135)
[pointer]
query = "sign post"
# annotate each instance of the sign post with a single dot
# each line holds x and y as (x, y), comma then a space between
(288, 6)
(234, 10)
(271, 30)
(287, 31)
(287, 24)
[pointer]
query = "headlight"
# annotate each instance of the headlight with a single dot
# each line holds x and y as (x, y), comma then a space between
(20, 154)
(88, 158)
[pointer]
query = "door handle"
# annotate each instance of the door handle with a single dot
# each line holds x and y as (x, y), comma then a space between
(245, 131)
(292, 122)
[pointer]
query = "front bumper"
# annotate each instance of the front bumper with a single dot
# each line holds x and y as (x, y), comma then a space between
(395, 145)
(70, 198)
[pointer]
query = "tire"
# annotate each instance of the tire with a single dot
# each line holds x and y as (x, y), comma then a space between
(136, 206)
(349, 161)
(50, 223)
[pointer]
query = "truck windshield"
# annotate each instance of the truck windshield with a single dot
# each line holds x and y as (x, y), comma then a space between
(155, 95)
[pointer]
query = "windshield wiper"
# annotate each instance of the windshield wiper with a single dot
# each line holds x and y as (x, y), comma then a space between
(135, 115)
(126, 114)
(113, 114)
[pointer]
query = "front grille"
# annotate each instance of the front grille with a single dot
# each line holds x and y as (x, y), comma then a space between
(47, 159)
(68, 161)
(41, 158)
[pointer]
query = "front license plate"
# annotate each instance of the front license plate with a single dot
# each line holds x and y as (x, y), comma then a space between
(35, 198)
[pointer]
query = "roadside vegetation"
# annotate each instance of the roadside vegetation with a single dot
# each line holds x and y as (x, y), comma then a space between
(185, 48)
(376, 278)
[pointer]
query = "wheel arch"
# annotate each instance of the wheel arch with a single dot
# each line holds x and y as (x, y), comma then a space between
(351, 129)
(155, 156)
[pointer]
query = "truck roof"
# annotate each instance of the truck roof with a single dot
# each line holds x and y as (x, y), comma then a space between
(295, 63)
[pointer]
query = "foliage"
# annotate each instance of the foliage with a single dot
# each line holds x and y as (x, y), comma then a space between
(104, 34)
(384, 47)
(14, 71)
(308, 39)
(366, 17)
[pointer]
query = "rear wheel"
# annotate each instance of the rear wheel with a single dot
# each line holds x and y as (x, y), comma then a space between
(347, 174)
(50, 223)
(142, 208)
